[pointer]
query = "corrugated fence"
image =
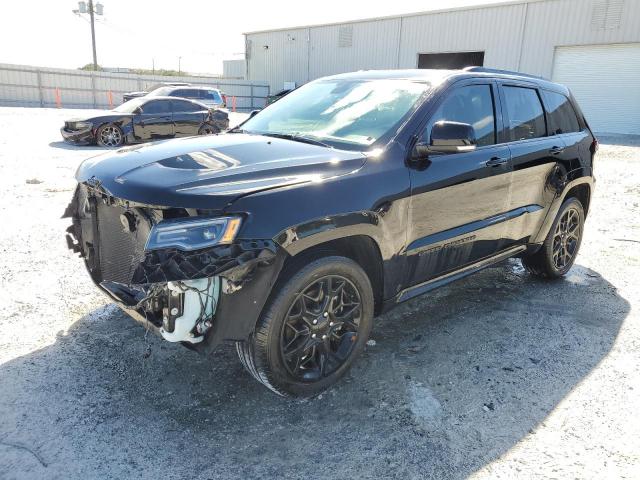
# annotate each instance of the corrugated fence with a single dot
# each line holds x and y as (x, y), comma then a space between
(26, 86)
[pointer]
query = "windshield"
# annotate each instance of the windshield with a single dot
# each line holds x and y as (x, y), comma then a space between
(161, 92)
(340, 112)
(130, 106)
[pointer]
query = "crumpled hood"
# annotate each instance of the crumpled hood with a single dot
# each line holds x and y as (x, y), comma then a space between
(210, 172)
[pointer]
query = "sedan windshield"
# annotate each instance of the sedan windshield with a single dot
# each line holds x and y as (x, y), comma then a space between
(344, 113)
(130, 106)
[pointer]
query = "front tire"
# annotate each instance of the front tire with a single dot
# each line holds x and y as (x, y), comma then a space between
(560, 249)
(109, 135)
(312, 330)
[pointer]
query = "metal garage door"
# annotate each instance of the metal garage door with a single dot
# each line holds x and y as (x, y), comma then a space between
(605, 80)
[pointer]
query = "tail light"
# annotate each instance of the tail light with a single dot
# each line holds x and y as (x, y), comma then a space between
(594, 146)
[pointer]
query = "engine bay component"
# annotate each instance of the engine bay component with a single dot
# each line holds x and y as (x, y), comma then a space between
(190, 309)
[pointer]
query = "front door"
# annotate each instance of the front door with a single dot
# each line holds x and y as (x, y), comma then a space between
(154, 123)
(459, 200)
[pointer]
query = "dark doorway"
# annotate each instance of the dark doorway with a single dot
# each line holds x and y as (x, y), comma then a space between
(450, 61)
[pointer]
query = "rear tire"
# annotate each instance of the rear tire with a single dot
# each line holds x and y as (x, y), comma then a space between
(208, 129)
(559, 250)
(312, 329)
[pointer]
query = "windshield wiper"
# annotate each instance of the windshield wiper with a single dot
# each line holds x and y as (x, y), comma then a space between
(296, 138)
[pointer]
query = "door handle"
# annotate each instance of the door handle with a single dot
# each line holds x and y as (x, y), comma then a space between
(556, 150)
(496, 161)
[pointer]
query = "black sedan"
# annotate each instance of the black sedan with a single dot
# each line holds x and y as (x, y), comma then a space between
(145, 119)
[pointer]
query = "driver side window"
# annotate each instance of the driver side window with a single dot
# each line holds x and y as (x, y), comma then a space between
(472, 104)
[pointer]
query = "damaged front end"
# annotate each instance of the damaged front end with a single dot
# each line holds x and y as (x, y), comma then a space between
(180, 272)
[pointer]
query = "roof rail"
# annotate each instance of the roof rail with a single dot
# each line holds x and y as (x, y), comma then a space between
(504, 72)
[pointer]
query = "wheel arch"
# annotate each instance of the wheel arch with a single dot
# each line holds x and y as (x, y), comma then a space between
(362, 249)
(581, 188)
(124, 126)
(582, 192)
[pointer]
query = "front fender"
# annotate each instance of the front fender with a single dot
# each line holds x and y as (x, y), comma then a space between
(300, 237)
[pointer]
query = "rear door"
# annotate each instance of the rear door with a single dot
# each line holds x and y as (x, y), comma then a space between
(459, 200)
(565, 122)
(155, 121)
(534, 155)
(187, 117)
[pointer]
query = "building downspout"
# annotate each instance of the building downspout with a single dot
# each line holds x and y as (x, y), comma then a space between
(308, 54)
(399, 43)
(522, 32)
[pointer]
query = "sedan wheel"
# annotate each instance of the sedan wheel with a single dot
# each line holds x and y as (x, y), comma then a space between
(110, 136)
(208, 130)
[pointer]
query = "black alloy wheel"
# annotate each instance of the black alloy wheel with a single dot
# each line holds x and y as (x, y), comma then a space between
(313, 328)
(321, 327)
(560, 249)
(566, 238)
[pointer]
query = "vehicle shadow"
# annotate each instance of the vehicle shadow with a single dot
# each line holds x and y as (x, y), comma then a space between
(69, 146)
(454, 380)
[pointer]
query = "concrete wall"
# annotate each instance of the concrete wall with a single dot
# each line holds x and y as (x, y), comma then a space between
(520, 35)
(28, 86)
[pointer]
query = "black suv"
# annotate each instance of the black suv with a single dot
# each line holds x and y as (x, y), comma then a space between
(353, 193)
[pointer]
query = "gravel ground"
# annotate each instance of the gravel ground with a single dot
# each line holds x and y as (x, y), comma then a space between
(498, 376)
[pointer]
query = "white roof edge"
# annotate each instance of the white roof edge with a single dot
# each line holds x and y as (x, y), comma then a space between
(402, 15)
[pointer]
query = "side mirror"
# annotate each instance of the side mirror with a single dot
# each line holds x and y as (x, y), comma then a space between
(452, 137)
(253, 113)
(137, 110)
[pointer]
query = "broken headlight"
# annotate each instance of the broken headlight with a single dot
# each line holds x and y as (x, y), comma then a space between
(193, 233)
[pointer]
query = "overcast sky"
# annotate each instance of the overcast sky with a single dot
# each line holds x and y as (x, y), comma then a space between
(132, 33)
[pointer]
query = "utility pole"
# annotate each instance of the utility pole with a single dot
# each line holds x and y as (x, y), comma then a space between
(179, 60)
(98, 9)
(93, 37)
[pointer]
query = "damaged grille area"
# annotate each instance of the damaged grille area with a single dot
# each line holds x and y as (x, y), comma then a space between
(235, 262)
(111, 235)
(122, 235)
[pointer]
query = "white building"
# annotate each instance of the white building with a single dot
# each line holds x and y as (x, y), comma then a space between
(236, 69)
(593, 46)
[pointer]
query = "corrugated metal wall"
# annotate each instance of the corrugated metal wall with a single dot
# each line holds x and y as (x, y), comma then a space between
(371, 47)
(520, 36)
(560, 23)
(496, 31)
(42, 87)
(279, 58)
(234, 69)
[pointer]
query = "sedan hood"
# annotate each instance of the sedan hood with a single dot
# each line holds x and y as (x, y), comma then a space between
(210, 172)
(100, 118)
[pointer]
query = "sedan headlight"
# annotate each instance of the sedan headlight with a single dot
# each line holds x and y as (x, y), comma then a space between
(193, 233)
(83, 125)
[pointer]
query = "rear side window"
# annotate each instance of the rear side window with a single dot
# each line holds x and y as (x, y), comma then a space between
(472, 104)
(184, 107)
(185, 93)
(526, 116)
(562, 116)
(157, 106)
(211, 95)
